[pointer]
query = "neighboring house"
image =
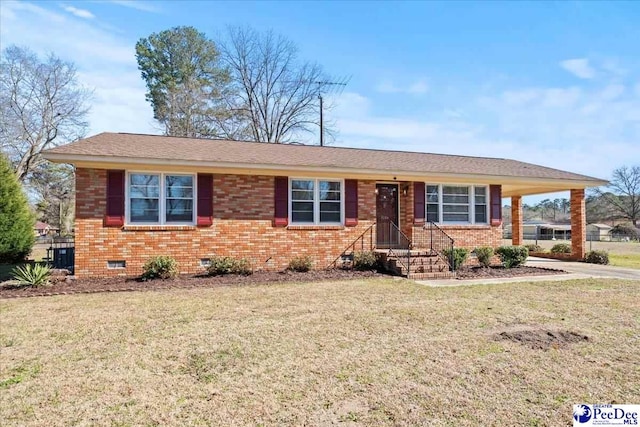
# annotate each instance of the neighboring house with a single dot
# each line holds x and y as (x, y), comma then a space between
(540, 230)
(141, 195)
(42, 229)
(599, 232)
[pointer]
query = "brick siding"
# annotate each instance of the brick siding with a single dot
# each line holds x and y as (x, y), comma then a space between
(242, 227)
(468, 236)
(516, 220)
(578, 224)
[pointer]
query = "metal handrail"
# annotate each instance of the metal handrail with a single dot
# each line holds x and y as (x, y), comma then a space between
(353, 246)
(441, 243)
(404, 243)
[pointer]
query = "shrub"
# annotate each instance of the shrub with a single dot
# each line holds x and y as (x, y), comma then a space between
(16, 220)
(160, 267)
(484, 254)
(223, 265)
(561, 248)
(300, 264)
(460, 255)
(534, 248)
(597, 257)
(242, 267)
(365, 261)
(512, 256)
(32, 274)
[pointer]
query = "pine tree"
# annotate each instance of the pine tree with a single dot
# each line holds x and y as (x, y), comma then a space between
(16, 220)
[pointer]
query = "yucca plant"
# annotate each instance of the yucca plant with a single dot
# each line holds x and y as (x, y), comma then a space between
(32, 274)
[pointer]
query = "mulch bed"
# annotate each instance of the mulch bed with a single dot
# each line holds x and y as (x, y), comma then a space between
(121, 284)
(500, 272)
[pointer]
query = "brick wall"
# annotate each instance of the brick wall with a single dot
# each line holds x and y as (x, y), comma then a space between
(242, 227)
(467, 236)
(516, 220)
(578, 224)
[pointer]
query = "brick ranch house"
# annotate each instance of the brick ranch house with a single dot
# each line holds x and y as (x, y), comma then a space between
(138, 196)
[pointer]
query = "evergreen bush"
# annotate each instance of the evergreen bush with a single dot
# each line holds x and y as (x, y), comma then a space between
(512, 256)
(160, 267)
(16, 220)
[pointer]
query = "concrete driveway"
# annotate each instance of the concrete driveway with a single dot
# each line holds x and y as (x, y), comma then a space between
(582, 268)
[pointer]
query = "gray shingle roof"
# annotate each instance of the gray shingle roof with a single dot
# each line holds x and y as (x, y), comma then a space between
(157, 148)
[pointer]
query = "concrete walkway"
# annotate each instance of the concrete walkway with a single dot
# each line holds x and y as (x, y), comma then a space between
(591, 270)
(576, 270)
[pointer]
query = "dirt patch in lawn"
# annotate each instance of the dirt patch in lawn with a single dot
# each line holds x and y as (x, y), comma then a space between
(490, 272)
(542, 339)
(122, 284)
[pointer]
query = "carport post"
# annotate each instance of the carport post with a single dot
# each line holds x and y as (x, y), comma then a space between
(578, 224)
(516, 220)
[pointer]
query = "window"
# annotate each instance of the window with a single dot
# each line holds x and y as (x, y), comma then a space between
(480, 198)
(116, 264)
(155, 198)
(433, 203)
(316, 201)
(457, 204)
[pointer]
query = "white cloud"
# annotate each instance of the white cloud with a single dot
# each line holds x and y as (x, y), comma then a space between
(419, 87)
(105, 63)
(58, 33)
(612, 91)
(350, 104)
(387, 87)
(80, 13)
(143, 6)
(579, 67)
(588, 130)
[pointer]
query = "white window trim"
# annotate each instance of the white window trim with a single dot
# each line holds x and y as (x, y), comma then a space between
(316, 201)
(162, 203)
(472, 203)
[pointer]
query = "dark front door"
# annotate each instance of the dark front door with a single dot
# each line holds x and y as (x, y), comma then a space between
(386, 215)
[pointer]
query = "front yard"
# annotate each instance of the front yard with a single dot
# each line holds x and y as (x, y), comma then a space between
(368, 352)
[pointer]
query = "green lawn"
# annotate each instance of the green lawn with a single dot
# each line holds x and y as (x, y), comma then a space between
(379, 352)
(625, 260)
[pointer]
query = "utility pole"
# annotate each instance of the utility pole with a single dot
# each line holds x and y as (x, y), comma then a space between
(321, 85)
(321, 122)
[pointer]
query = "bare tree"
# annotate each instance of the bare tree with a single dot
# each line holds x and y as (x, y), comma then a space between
(625, 195)
(41, 105)
(53, 186)
(276, 94)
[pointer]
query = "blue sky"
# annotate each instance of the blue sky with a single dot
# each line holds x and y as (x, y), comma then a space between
(553, 83)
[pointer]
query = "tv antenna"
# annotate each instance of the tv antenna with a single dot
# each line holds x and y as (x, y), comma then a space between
(323, 84)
